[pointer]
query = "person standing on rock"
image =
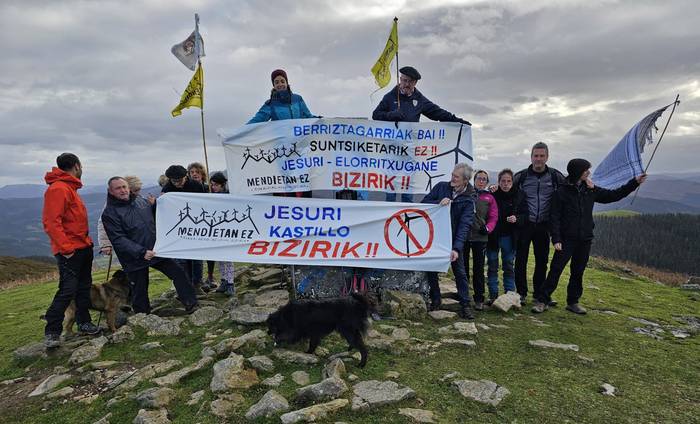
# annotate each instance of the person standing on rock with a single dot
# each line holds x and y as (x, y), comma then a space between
(130, 225)
(535, 186)
(572, 230)
(65, 221)
(460, 196)
(485, 220)
(412, 105)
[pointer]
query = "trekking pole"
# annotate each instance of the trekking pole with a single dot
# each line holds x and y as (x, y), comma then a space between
(675, 103)
(109, 266)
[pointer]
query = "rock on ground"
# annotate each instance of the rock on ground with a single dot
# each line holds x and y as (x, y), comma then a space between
(206, 315)
(229, 374)
(271, 404)
(334, 368)
(224, 405)
(607, 389)
(49, 384)
(152, 417)
(301, 378)
(60, 393)
(123, 333)
(175, 376)
(155, 325)
(551, 345)
(463, 342)
(405, 305)
(506, 301)
(377, 393)
(88, 352)
(483, 391)
(327, 389)
(418, 415)
(155, 397)
(273, 381)
(246, 314)
(440, 314)
(30, 351)
(261, 363)
(295, 357)
(314, 412)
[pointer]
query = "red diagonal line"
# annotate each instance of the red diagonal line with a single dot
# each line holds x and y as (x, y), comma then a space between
(408, 232)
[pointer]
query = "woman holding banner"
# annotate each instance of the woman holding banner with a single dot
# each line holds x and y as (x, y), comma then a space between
(485, 219)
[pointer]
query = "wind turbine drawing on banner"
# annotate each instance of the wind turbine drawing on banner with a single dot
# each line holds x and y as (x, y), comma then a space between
(407, 219)
(457, 150)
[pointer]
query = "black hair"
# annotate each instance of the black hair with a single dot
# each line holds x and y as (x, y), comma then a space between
(66, 161)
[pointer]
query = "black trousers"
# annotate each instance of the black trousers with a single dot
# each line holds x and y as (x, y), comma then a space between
(478, 250)
(461, 280)
(578, 252)
(74, 282)
(173, 271)
(538, 235)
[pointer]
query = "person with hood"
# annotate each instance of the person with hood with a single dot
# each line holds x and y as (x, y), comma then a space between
(283, 104)
(412, 105)
(503, 237)
(65, 221)
(217, 182)
(485, 220)
(130, 225)
(459, 195)
(572, 225)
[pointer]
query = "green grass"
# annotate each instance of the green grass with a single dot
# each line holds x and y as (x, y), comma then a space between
(619, 213)
(657, 380)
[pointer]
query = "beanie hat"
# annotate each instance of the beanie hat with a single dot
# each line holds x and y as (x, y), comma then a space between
(410, 72)
(175, 172)
(218, 177)
(278, 72)
(576, 168)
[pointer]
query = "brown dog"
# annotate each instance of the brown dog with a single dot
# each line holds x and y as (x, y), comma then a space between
(108, 298)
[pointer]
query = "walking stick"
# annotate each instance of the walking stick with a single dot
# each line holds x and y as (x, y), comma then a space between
(109, 266)
(675, 103)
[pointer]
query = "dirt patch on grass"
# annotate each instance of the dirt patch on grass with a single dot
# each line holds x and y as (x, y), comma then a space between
(672, 279)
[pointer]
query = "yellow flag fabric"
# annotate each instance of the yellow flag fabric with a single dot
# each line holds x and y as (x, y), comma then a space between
(380, 70)
(194, 93)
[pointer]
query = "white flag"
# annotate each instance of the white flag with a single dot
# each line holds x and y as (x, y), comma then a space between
(189, 51)
(624, 161)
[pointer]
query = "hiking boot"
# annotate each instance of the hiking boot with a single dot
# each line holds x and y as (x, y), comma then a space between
(576, 308)
(191, 308)
(230, 290)
(539, 307)
(52, 341)
(490, 301)
(523, 300)
(435, 305)
(552, 303)
(199, 291)
(465, 312)
(222, 287)
(88, 328)
(478, 306)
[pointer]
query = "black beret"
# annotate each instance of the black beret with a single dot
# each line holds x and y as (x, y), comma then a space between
(410, 72)
(175, 171)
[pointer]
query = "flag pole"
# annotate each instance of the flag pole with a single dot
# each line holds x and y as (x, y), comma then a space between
(675, 103)
(198, 43)
(398, 79)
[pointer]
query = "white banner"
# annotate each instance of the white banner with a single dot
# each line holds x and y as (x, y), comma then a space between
(286, 230)
(338, 153)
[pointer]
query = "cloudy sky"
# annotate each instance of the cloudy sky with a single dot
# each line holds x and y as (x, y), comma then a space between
(97, 77)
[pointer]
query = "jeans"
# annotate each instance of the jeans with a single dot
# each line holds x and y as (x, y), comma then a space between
(505, 246)
(461, 279)
(478, 249)
(578, 251)
(74, 282)
(405, 197)
(173, 271)
(538, 235)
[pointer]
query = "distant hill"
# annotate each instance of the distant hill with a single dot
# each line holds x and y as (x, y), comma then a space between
(645, 205)
(22, 269)
(28, 191)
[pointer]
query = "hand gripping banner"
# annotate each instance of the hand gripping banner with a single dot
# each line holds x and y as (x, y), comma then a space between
(335, 154)
(287, 230)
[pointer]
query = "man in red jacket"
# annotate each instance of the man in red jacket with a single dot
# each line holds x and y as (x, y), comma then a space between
(66, 223)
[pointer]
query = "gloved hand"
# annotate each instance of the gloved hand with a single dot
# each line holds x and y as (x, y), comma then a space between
(464, 121)
(395, 115)
(483, 231)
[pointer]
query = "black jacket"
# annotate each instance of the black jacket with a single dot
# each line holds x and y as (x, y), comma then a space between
(131, 227)
(412, 107)
(189, 187)
(461, 211)
(507, 205)
(535, 191)
(572, 209)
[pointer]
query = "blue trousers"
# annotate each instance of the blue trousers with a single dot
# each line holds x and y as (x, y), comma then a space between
(507, 250)
(405, 197)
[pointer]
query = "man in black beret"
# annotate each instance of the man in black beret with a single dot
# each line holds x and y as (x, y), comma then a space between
(413, 102)
(413, 105)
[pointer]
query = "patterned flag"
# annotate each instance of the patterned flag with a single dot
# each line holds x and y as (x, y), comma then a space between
(190, 50)
(380, 70)
(624, 161)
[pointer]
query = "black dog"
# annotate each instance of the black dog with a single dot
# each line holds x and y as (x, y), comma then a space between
(314, 319)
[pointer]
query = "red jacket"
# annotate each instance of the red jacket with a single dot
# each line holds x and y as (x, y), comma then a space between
(65, 218)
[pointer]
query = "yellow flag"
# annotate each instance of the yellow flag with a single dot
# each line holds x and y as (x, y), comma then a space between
(194, 93)
(380, 70)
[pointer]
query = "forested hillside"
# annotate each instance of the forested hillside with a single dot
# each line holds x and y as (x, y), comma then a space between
(664, 241)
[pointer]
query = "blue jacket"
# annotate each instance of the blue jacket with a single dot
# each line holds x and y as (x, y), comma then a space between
(282, 105)
(461, 211)
(412, 108)
(131, 227)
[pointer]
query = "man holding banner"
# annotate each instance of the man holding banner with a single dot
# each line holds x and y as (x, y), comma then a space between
(459, 194)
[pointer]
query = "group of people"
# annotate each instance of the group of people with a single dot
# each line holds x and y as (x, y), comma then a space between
(530, 207)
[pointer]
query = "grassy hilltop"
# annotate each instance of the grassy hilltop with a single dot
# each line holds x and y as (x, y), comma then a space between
(657, 380)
